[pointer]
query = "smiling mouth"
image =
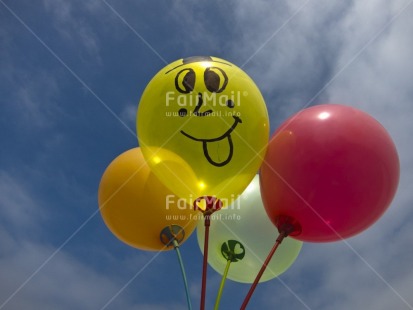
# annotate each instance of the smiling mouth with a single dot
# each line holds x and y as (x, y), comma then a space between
(226, 135)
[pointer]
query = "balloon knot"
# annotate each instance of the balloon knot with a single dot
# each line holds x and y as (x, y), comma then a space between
(287, 226)
(172, 233)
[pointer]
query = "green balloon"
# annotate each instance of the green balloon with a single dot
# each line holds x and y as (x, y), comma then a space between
(244, 234)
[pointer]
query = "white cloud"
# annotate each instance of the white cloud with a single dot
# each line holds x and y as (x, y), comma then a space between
(128, 114)
(34, 100)
(18, 208)
(331, 276)
(304, 51)
(41, 275)
(30, 92)
(64, 283)
(71, 24)
(291, 49)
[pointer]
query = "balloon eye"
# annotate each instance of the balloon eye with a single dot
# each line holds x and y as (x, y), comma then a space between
(215, 79)
(185, 81)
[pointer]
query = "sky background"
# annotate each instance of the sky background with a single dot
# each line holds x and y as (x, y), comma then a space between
(71, 76)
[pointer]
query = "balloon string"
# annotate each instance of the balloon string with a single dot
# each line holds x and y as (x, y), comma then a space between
(205, 261)
(181, 264)
(264, 266)
(221, 286)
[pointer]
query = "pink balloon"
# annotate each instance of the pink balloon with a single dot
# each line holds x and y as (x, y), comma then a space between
(333, 169)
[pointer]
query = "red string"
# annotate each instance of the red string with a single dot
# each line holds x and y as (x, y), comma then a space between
(212, 204)
(205, 261)
(264, 266)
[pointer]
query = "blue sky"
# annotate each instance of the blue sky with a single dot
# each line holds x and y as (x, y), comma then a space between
(71, 75)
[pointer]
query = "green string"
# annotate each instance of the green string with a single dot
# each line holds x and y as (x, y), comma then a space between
(221, 286)
(181, 264)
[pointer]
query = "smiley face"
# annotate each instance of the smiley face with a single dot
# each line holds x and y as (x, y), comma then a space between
(215, 81)
(204, 117)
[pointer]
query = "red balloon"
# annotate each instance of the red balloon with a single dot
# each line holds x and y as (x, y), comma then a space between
(333, 169)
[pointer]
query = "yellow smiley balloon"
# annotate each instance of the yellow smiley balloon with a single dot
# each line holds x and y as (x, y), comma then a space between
(203, 127)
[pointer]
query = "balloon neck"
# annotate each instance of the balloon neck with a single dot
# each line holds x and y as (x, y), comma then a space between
(172, 235)
(287, 226)
(210, 204)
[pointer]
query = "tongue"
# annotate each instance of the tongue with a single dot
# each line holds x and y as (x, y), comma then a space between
(218, 153)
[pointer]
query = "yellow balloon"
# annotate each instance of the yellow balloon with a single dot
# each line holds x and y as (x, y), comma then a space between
(136, 206)
(203, 127)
